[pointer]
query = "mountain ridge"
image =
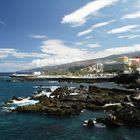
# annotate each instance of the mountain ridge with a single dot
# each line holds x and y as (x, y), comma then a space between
(82, 64)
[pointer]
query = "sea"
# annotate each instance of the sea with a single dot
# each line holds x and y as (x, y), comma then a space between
(28, 126)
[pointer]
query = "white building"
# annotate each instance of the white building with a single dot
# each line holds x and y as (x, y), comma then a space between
(37, 73)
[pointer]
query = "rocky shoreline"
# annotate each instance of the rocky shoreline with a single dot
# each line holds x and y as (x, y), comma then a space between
(123, 106)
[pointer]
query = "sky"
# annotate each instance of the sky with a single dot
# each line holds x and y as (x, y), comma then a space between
(36, 33)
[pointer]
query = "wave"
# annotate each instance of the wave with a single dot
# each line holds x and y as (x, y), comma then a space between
(43, 93)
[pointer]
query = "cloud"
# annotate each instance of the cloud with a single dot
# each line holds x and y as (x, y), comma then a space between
(79, 43)
(38, 36)
(89, 37)
(78, 55)
(60, 52)
(61, 49)
(55, 52)
(117, 51)
(29, 54)
(3, 55)
(14, 66)
(94, 27)
(81, 15)
(123, 29)
(124, 1)
(94, 45)
(85, 32)
(129, 36)
(6, 52)
(132, 15)
(3, 23)
(137, 5)
(125, 49)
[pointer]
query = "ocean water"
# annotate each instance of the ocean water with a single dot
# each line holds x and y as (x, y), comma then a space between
(20, 126)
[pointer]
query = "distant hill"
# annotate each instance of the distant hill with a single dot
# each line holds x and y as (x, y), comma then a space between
(81, 64)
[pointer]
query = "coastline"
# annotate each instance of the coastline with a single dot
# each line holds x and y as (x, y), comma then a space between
(64, 101)
(56, 125)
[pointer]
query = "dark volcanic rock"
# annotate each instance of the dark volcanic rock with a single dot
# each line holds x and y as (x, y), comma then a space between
(124, 115)
(93, 107)
(90, 123)
(16, 98)
(61, 91)
(93, 89)
(30, 108)
(48, 90)
(128, 115)
(53, 107)
(131, 78)
(9, 101)
(64, 104)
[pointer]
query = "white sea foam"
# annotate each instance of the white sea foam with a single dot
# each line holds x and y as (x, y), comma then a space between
(131, 104)
(84, 124)
(82, 110)
(74, 93)
(118, 104)
(138, 97)
(35, 86)
(43, 93)
(53, 88)
(86, 121)
(52, 96)
(24, 102)
(8, 109)
(40, 86)
(44, 87)
(99, 125)
(71, 87)
(53, 81)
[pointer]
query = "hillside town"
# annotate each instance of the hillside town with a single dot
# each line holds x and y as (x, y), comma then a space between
(122, 64)
(119, 65)
(99, 70)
